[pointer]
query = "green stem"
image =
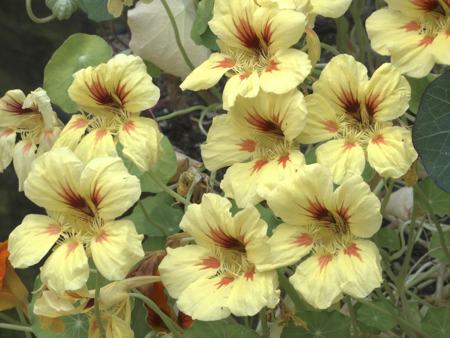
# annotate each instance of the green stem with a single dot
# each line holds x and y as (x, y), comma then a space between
(97, 306)
(165, 188)
(6, 318)
(177, 34)
(351, 310)
(329, 48)
(180, 113)
(264, 326)
(441, 236)
(171, 325)
(16, 327)
(148, 218)
(290, 290)
(387, 196)
(23, 321)
(33, 17)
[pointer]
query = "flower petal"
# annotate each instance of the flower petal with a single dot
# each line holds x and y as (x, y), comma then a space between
(12, 114)
(359, 268)
(72, 132)
(116, 248)
(106, 183)
(32, 239)
(185, 265)
(317, 280)
(343, 157)
(141, 140)
(7, 142)
(24, 155)
(330, 9)
(243, 84)
(99, 142)
(67, 267)
(391, 152)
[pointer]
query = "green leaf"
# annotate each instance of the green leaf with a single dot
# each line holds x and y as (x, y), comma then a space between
(431, 132)
(373, 318)
(77, 52)
(432, 199)
(155, 216)
(436, 323)
(200, 32)
(219, 329)
(139, 319)
(319, 324)
(164, 169)
(418, 86)
(387, 238)
(268, 216)
(436, 248)
(96, 10)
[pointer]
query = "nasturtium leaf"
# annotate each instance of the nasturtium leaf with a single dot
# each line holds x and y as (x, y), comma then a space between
(156, 216)
(418, 86)
(77, 52)
(319, 324)
(431, 132)
(432, 199)
(96, 10)
(436, 247)
(200, 33)
(219, 329)
(436, 323)
(377, 319)
(139, 319)
(268, 216)
(388, 239)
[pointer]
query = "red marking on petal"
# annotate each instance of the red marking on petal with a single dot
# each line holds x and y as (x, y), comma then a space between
(378, 139)
(100, 133)
(372, 103)
(7, 132)
(128, 126)
(353, 250)
(72, 198)
(426, 41)
(98, 92)
(246, 34)
(344, 214)
(96, 197)
(250, 274)
(121, 93)
(263, 124)
(226, 241)
(267, 33)
(283, 160)
(209, 263)
(26, 148)
(426, 5)
(101, 237)
(349, 145)
(331, 126)
(258, 165)
(272, 67)
(71, 247)
(412, 26)
(324, 261)
(224, 281)
(248, 145)
(244, 76)
(79, 123)
(52, 229)
(318, 211)
(351, 104)
(304, 240)
(225, 63)
(10, 105)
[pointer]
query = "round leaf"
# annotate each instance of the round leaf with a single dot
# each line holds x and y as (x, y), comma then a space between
(319, 324)
(436, 323)
(219, 329)
(373, 318)
(77, 52)
(97, 10)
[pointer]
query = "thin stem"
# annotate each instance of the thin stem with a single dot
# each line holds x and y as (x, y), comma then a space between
(171, 325)
(180, 113)
(441, 236)
(264, 326)
(177, 34)
(290, 290)
(330, 49)
(33, 17)
(14, 327)
(165, 188)
(98, 316)
(351, 310)
(6, 318)
(387, 196)
(23, 321)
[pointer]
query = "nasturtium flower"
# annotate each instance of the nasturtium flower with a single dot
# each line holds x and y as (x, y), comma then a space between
(327, 8)
(13, 294)
(257, 139)
(111, 96)
(354, 115)
(415, 33)
(31, 118)
(82, 202)
(115, 7)
(325, 231)
(220, 275)
(255, 51)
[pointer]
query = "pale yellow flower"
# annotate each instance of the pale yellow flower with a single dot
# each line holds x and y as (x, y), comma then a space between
(82, 203)
(34, 121)
(415, 33)
(325, 230)
(357, 115)
(220, 274)
(257, 139)
(256, 53)
(115, 7)
(327, 8)
(112, 96)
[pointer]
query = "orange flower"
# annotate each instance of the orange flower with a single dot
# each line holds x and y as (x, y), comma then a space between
(12, 291)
